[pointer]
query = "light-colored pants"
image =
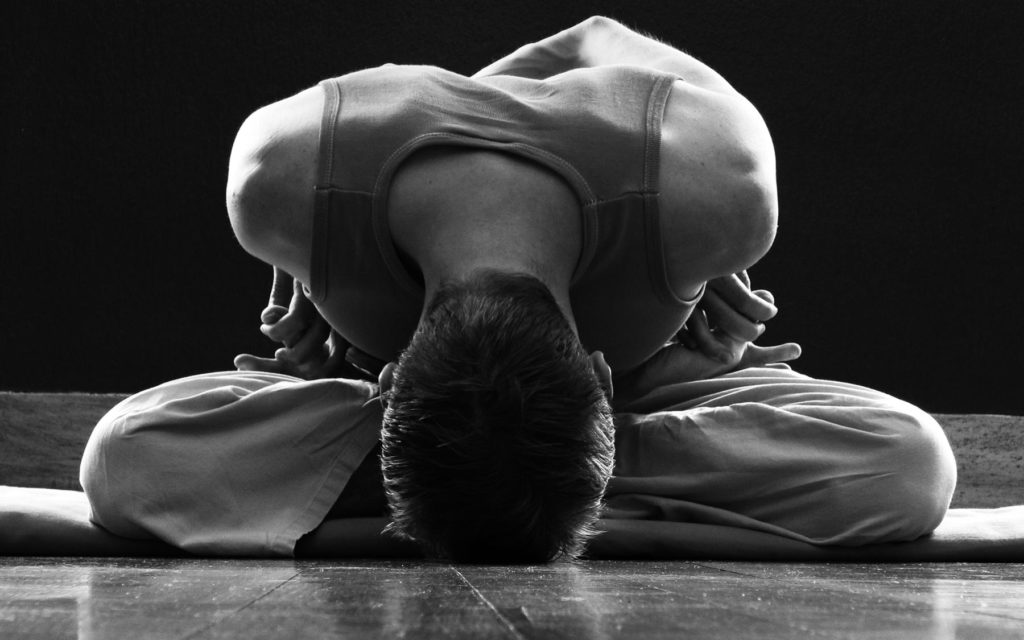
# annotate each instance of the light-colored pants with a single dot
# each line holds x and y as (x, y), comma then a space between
(772, 450)
(243, 463)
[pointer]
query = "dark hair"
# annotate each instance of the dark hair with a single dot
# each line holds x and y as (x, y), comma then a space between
(497, 439)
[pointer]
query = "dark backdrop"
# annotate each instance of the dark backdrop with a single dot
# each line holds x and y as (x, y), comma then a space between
(897, 124)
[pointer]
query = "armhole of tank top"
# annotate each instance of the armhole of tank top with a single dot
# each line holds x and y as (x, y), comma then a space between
(321, 198)
(657, 268)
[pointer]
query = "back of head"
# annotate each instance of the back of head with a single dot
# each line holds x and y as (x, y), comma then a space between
(497, 441)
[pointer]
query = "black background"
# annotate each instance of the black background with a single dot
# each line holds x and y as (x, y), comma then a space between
(898, 129)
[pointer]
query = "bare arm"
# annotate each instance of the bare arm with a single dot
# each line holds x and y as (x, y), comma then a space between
(600, 41)
(717, 191)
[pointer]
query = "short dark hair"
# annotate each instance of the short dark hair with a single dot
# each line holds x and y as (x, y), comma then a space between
(497, 438)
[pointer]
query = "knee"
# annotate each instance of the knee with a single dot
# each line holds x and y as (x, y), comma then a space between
(109, 457)
(932, 470)
(913, 482)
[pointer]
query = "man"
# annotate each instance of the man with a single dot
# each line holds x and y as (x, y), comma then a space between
(597, 192)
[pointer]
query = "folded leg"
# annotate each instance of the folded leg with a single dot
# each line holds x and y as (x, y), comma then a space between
(772, 450)
(238, 463)
(247, 463)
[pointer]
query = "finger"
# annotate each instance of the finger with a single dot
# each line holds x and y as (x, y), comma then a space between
(311, 347)
(337, 362)
(736, 294)
(272, 314)
(248, 362)
(684, 338)
(284, 332)
(281, 288)
(729, 320)
(290, 328)
(298, 369)
(705, 340)
(757, 356)
(744, 278)
(333, 366)
(765, 295)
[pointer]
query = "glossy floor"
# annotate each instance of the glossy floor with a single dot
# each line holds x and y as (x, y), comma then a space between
(107, 598)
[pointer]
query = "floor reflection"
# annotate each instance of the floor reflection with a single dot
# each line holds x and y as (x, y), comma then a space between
(167, 598)
(109, 598)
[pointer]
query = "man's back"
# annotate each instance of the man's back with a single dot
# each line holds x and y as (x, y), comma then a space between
(661, 209)
(587, 138)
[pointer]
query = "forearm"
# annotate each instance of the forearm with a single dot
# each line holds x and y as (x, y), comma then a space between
(541, 59)
(598, 42)
(603, 42)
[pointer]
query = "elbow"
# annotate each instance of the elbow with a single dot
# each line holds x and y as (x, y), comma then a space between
(599, 22)
(593, 35)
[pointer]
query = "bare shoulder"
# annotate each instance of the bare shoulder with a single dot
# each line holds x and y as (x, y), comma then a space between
(717, 181)
(271, 175)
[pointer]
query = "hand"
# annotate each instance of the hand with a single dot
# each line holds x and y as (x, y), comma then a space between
(718, 338)
(678, 363)
(727, 320)
(311, 349)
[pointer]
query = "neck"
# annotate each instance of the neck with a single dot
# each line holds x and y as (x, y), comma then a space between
(455, 213)
(438, 272)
